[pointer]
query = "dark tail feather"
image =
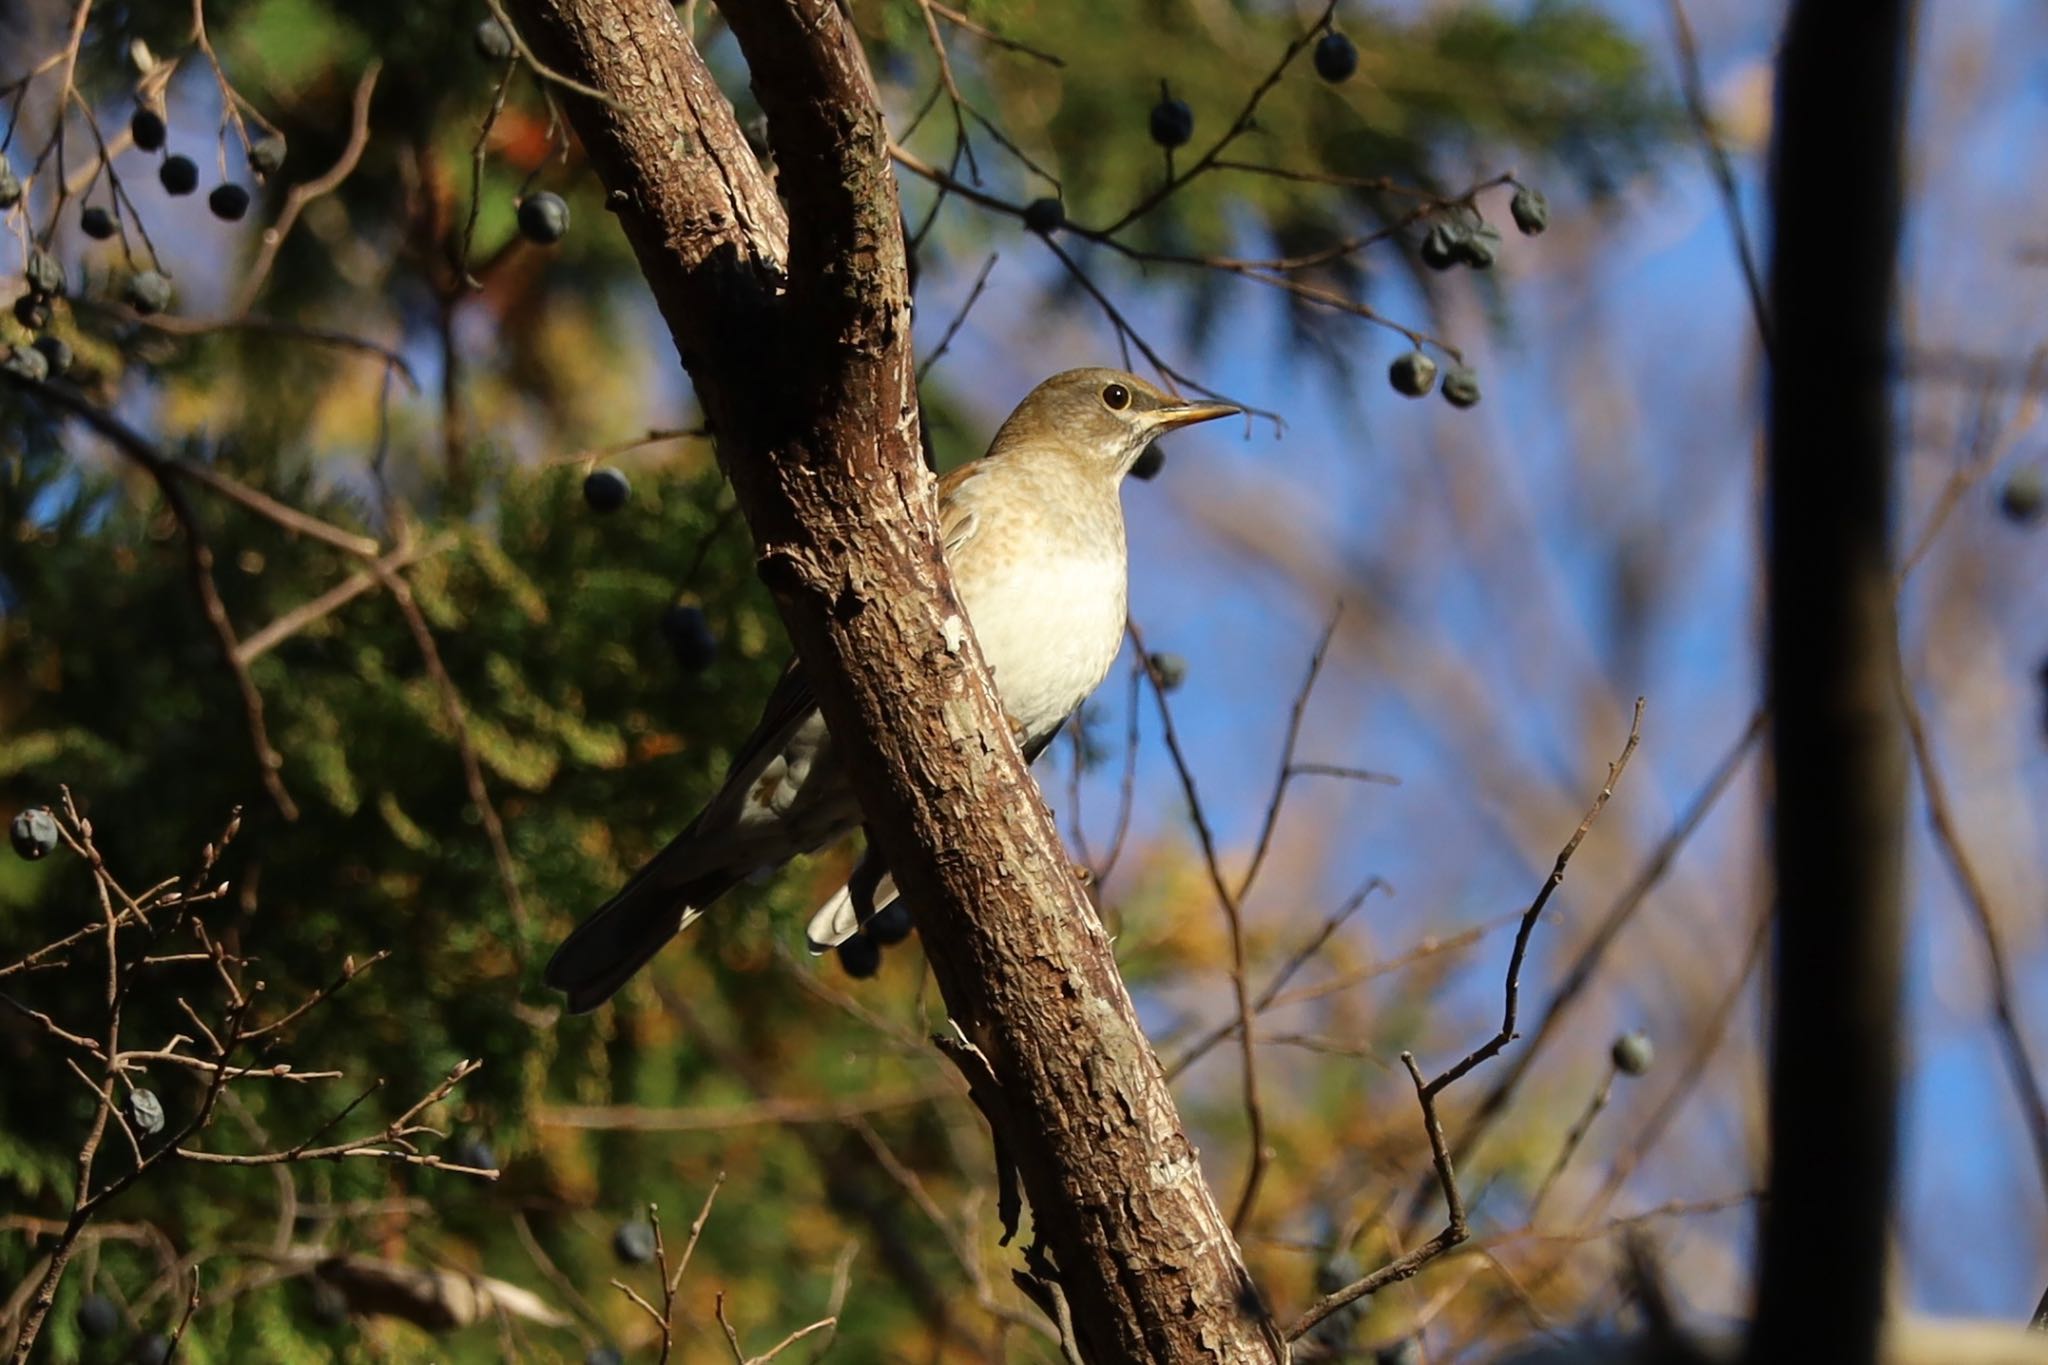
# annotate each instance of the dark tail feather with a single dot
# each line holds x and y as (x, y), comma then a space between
(619, 937)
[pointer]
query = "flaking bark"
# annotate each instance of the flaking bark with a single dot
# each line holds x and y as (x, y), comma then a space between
(794, 324)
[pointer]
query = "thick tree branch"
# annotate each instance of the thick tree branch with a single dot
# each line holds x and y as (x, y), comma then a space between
(795, 327)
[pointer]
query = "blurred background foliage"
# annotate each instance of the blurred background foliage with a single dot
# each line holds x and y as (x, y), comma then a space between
(595, 740)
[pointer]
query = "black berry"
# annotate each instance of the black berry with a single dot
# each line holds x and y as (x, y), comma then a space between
(543, 218)
(1336, 57)
(1044, 216)
(1173, 123)
(1633, 1053)
(98, 1319)
(1530, 210)
(27, 362)
(145, 1112)
(228, 202)
(1480, 247)
(146, 127)
(860, 957)
(45, 273)
(689, 637)
(1461, 386)
(1412, 373)
(1171, 670)
(32, 311)
(493, 43)
(1149, 462)
(2024, 497)
(96, 222)
(606, 490)
(147, 292)
(33, 833)
(633, 1242)
(890, 924)
(154, 1349)
(266, 154)
(178, 175)
(56, 352)
(604, 1355)
(1440, 247)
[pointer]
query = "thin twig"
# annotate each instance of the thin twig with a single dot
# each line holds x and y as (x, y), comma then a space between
(959, 20)
(1577, 977)
(1255, 1119)
(1239, 126)
(1513, 985)
(2020, 1065)
(959, 317)
(1287, 749)
(1404, 1267)
(1694, 91)
(458, 722)
(315, 609)
(1302, 956)
(306, 191)
(1575, 1136)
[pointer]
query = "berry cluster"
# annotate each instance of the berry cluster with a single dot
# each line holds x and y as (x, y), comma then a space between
(179, 174)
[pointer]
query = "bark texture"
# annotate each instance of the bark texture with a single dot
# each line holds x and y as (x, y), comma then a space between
(1836, 729)
(792, 315)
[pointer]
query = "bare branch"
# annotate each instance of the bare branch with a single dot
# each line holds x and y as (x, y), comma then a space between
(1513, 984)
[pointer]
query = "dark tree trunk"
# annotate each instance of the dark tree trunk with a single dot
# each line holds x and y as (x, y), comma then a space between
(795, 326)
(1840, 767)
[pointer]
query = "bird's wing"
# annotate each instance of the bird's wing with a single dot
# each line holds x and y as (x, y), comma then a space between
(957, 520)
(791, 703)
(789, 706)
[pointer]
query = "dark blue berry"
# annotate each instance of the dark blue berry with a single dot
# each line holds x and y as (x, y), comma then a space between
(1173, 123)
(1044, 215)
(1412, 373)
(606, 490)
(633, 1242)
(98, 1319)
(178, 175)
(543, 218)
(33, 833)
(689, 636)
(860, 957)
(891, 924)
(1336, 57)
(146, 128)
(228, 202)
(1530, 210)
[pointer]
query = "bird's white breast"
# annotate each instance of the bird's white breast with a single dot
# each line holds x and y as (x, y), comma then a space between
(1049, 627)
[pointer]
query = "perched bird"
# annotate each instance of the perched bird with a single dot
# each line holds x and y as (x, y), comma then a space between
(1034, 534)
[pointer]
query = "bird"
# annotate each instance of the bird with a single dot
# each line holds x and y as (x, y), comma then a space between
(1033, 533)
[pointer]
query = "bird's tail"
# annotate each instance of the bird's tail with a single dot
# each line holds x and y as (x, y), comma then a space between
(838, 919)
(619, 937)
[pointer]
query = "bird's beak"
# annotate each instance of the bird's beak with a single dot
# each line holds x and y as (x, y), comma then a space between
(1187, 414)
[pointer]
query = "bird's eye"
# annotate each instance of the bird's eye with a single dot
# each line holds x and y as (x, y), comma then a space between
(1116, 397)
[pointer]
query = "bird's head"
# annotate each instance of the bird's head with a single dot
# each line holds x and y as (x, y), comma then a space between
(1101, 418)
